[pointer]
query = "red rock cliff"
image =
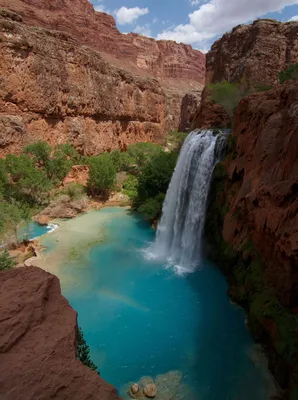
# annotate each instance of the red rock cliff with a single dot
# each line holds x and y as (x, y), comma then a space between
(37, 342)
(52, 88)
(163, 72)
(254, 53)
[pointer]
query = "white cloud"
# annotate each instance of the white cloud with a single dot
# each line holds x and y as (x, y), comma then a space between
(126, 15)
(218, 16)
(100, 8)
(195, 2)
(294, 18)
(143, 30)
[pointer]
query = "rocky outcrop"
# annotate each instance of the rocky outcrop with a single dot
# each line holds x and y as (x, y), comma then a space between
(38, 333)
(252, 223)
(253, 54)
(78, 79)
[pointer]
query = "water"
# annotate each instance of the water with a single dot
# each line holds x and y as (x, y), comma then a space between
(140, 318)
(179, 233)
(33, 230)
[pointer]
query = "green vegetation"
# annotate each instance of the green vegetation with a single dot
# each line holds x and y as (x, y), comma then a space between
(6, 262)
(228, 95)
(102, 175)
(175, 140)
(289, 74)
(83, 351)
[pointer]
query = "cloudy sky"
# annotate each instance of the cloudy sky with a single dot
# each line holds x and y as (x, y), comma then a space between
(197, 22)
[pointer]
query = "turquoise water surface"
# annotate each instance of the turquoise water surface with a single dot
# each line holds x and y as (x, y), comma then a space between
(140, 319)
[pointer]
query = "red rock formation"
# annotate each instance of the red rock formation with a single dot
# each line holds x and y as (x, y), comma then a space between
(265, 176)
(254, 54)
(159, 74)
(37, 342)
(164, 59)
(54, 89)
(78, 174)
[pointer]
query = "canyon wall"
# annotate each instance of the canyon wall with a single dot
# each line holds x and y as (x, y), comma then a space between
(70, 75)
(253, 54)
(38, 333)
(252, 223)
(54, 89)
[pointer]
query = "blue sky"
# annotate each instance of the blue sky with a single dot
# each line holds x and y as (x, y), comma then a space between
(197, 22)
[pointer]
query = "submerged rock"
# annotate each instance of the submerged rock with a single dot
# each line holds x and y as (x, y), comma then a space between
(150, 390)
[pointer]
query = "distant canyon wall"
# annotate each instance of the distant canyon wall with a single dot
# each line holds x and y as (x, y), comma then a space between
(68, 74)
(254, 54)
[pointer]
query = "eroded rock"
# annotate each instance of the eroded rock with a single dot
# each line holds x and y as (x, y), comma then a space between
(37, 342)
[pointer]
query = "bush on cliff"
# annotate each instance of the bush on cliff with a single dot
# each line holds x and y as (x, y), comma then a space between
(227, 95)
(289, 74)
(83, 351)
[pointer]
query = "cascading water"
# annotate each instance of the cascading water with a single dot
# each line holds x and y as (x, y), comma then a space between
(179, 233)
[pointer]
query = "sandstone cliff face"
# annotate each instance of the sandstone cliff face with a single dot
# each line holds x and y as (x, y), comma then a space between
(37, 342)
(253, 223)
(164, 59)
(265, 172)
(54, 89)
(254, 54)
(162, 71)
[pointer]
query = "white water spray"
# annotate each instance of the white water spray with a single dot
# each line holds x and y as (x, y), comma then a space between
(179, 233)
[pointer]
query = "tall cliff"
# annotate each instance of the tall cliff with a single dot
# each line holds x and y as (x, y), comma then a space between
(38, 333)
(116, 88)
(252, 223)
(254, 54)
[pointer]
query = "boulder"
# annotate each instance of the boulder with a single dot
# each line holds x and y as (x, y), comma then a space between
(150, 390)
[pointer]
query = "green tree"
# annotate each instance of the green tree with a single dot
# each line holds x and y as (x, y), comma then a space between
(40, 151)
(228, 95)
(139, 154)
(156, 175)
(102, 175)
(289, 74)
(26, 181)
(83, 351)
(6, 262)
(151, 208)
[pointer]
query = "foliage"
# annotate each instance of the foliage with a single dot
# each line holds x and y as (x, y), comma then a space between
(83, 351)
(26, 181)
(151, 208)
(228, 95)
(262, 88)
(175, 140)
(153, 183)
(102, 175)
(6, 262)
(40, 152)
(289, 74)
(130, 187)
(140, 154)
(74, 190)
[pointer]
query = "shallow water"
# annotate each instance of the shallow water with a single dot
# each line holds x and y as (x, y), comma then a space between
(140, 319)
(34, 230)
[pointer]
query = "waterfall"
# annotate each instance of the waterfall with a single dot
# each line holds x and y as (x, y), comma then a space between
(179, 233)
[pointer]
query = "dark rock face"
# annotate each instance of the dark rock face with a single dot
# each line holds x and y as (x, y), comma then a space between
(253, 223)
(37, 342)
(254, 54)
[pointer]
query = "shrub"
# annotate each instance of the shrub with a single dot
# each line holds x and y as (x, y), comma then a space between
(83, 351)
(6, 262)
(289, 74)
(152, 207)
(102, 175)
(74, 190)
(228, 95)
